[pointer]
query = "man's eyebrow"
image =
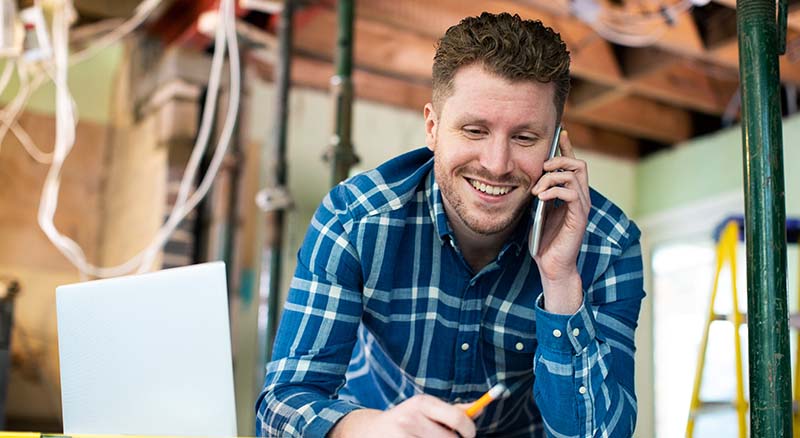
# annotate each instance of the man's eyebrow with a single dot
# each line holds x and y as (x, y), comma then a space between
(471, 119)
(474, 119)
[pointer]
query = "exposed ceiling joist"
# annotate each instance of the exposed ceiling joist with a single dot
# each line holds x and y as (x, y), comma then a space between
(315, 73)
(639, 117)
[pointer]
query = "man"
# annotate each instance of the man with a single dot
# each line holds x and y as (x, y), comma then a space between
(415, 293)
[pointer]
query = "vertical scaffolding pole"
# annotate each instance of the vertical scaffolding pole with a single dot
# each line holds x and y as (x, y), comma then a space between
(273, 177)
(341, 155)
(765, 214)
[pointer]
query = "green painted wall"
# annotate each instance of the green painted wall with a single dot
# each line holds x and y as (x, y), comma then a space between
(707, 167)
(90, 83)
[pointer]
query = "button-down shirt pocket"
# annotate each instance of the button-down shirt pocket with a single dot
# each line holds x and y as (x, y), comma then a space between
(508, 349)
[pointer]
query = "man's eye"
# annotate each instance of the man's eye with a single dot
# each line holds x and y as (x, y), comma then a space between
(474, 132)
(525, 140)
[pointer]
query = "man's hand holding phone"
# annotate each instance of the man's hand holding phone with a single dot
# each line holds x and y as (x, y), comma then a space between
(565, 178)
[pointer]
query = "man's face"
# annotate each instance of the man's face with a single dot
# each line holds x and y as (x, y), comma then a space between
(490, 140)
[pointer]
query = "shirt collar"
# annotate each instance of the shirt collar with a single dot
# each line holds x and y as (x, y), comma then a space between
(436, 208)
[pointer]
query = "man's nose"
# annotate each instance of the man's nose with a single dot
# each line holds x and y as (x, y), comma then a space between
(496, 158)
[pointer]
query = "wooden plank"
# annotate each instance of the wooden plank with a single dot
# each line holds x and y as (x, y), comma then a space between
(682, 37)
(728, 54)
(106, 8)
(682, 85)
(377, 46)
(639, 117)
(586, 96)
(401, 36)
(638, 62)
(585, 137)
(793, 21)
(316, 74)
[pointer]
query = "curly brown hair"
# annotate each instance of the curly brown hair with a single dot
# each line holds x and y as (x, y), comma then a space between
(506, 45)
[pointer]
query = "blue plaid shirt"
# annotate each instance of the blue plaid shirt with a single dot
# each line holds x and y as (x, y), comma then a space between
(383, 306)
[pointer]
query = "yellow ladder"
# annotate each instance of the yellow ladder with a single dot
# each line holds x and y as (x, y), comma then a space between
(726, 252)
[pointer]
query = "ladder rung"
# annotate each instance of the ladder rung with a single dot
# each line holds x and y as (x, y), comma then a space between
(724, 317)
(712, 404)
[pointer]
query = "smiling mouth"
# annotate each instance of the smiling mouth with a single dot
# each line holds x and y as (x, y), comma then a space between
(490, 189)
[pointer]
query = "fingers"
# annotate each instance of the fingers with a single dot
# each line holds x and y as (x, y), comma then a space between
(569, 180)
(566, 171)
(448, 416)
(566, 145)
(567, 160)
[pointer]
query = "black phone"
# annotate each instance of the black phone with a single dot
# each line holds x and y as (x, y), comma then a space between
(535, 236)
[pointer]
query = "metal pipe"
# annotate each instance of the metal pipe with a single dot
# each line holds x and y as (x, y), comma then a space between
(7, 298)
(341, 154)
(765, 220)
(274, 176)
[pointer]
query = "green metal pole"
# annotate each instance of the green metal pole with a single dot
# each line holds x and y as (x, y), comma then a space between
(341, 155)
(765, 213)
(274, 174)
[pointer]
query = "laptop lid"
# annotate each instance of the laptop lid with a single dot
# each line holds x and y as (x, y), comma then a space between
(147, 354)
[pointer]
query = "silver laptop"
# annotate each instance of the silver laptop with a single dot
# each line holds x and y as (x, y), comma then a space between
(147, 354)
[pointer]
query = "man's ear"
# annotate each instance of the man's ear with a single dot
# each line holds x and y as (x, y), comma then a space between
(431, 125)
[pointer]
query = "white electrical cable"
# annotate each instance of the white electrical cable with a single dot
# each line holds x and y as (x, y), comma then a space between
(5, 77)
(228, 25)
(626, 28)
(9, 118)
(142, 11)
(225, 35)
(10, 114)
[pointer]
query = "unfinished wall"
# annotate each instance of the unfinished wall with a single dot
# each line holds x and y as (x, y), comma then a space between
(30, 257)
(111, 201)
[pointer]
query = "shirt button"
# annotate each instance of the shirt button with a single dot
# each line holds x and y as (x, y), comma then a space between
(576, 332)
(464, 346)
(557, 333)
(582, 390)
(519, 346)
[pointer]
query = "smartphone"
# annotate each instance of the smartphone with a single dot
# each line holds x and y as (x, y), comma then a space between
(535, 236)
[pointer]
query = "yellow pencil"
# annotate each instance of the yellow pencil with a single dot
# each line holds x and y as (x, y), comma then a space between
(496, 392)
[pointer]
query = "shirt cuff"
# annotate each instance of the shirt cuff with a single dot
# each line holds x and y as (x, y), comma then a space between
(564, 333)
(326, 419)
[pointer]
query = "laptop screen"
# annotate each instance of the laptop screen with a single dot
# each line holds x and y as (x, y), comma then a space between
(147, 354)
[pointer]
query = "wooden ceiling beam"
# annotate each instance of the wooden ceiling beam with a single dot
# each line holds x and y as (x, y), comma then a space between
(394, 36)
(639, 117)
(590, 138)
(793, 21)
(587, 96)
(685, 87)
(681, 37)
(377, 47)
(728, 54)
(315, 74)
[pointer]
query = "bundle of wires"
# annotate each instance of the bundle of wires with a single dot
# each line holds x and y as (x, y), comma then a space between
(628, 27)
(66, 119)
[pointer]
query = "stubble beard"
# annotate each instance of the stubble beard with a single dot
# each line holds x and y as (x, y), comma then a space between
(502, 218)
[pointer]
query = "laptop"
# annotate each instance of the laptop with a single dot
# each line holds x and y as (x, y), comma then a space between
(147, 354)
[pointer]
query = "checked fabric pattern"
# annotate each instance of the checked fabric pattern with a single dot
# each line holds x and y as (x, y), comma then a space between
(383, 306)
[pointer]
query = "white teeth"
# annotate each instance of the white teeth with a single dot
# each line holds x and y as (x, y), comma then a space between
(492, 190)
